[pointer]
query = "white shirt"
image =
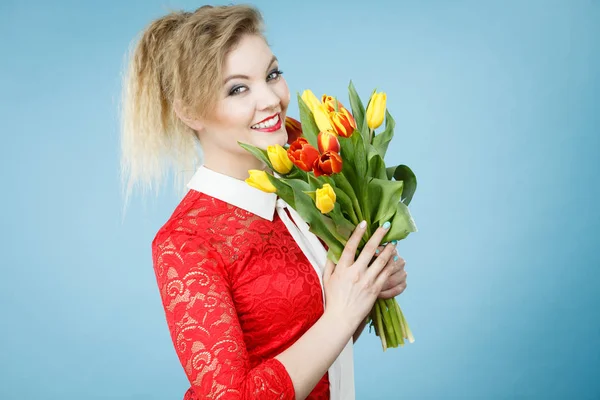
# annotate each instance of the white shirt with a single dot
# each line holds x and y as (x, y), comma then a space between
(238, 193)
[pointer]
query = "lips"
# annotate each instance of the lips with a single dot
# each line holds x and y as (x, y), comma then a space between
(271, 124)
(266, 119)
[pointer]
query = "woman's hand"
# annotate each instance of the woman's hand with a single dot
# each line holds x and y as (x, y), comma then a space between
(351, 287)
(396, 283)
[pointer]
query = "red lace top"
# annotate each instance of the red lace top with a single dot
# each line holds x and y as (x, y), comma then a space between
(237, 291)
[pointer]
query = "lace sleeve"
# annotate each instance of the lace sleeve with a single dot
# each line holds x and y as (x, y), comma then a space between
(204, 325)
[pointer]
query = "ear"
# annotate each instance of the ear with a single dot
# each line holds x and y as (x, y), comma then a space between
(182, 112)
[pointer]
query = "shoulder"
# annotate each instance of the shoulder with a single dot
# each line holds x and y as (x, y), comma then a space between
(186, 239)
(192, 218)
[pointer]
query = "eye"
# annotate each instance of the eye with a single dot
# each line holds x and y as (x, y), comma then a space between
(275, 74)
(239, 89)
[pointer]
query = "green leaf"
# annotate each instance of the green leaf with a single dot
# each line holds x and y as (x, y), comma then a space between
(345, 203)
(360, 157)
(389, 171)
(297, 173)
(376, 164)
(402, 224)
(309, 126)
(314, 182)
(358, 110)
(284, 189)
(344, 227)
(382, 141)
(344, 184)
(313, 217)
(258, 153)
(405, 174)
(384, 196)
(297, 184)
(312, 195)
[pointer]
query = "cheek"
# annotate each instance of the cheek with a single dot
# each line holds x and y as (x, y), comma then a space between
(284, 93)
(233, 114)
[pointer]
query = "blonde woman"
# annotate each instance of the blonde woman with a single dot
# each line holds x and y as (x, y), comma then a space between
(254, 309)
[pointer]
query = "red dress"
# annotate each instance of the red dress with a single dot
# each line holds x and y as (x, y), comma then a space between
(237, 291)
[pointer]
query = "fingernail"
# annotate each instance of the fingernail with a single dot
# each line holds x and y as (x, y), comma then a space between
(383, 244)
(362, 225)
(386, 225)
(394, 242)
(395, 258)
(377, 251)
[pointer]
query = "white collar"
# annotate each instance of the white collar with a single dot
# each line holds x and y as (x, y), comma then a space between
(234, 191)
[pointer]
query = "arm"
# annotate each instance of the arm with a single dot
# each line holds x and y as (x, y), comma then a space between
(209, 340)
(359, 330)
(204, 326)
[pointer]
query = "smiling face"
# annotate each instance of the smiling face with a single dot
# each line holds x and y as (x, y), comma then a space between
(251, 109)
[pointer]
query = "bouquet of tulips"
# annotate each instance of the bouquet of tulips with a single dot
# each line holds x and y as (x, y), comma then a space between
(333, 174)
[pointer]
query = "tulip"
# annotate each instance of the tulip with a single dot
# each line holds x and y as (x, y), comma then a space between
(325, 198)
(322, 118)
(328, 163)
(302, 154)
(260, 180)
(310, 99)
(376, 110)
(293, 128)
(343, 122)
(279, 159)
(331, 103)
(328, 141)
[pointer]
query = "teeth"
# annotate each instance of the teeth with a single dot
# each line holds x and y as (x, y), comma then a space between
(267, 124)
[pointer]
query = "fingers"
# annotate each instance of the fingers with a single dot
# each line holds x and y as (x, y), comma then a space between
(369, 250)
(393, 292)
(380, 264)
(347, 257)
(329, 268)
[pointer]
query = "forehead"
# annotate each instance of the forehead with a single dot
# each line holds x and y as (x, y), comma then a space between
(251, 55)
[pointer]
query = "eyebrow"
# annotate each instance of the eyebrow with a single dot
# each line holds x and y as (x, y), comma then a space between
(245, 76)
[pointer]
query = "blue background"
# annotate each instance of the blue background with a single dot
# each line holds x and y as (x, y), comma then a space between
(497, 109)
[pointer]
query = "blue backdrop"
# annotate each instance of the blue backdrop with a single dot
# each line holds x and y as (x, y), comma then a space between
(497, 109)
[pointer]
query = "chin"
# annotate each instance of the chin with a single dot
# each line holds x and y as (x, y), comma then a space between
(280, 137)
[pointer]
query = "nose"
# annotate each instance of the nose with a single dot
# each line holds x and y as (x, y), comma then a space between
(267, 99)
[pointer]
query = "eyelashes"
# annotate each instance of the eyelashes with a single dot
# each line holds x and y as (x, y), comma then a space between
(239, 89)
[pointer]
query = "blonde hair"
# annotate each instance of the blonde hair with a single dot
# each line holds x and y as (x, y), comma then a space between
(179, 57)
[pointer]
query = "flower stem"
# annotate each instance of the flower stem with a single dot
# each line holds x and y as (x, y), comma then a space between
(397, 327)
(379, 324)
(387, 322)
(406, 329)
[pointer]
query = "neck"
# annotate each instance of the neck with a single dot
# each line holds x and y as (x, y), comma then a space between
(234, 165)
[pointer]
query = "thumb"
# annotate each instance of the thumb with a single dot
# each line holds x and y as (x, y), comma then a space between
(329, 268)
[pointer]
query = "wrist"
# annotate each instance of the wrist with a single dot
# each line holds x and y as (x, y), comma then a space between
(340, 323)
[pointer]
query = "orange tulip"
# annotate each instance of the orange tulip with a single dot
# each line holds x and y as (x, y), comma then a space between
(302, 154)
(328, 141)
(329, 163)
(343, 122)
(293, 128)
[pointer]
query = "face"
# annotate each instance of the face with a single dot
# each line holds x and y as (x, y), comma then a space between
(252, 104)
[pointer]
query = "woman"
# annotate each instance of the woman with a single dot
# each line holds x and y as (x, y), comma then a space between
(243, 295)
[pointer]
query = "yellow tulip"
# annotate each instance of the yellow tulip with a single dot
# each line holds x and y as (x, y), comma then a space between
(325, 198)
(322, 118)
(310, 99)
(376, 110)
(260, 180)
(279, 159)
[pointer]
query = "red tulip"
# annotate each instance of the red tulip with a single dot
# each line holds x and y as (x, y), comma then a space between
(328, 141)
(302, 154)
(329, 102)
(329, 163)
(343, 122)
(293, 128)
